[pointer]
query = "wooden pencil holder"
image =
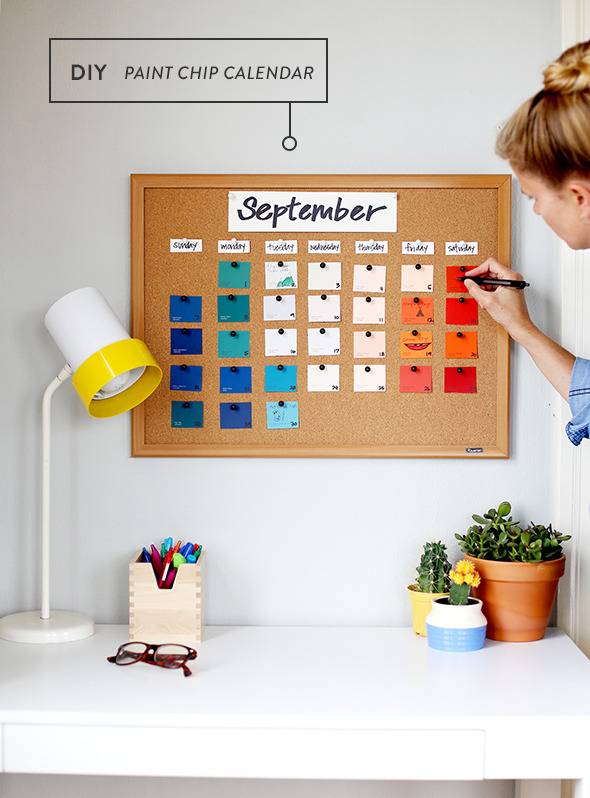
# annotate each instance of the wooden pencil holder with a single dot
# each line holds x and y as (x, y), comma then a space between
(166, 616)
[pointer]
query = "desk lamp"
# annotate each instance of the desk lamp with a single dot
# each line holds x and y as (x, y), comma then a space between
(111, 373)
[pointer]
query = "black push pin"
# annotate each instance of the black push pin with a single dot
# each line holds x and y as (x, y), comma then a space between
(281, 331)
(183, 367)
(280, 368)
(462, 268)
(369, 267)
(184, 298)
(368, 299)
(233, 369)
(459, 335)
(279, 298)
(281, 403)
(322, 330)
(416, 300)
(418, 266)
(459, 370)
(414, 332)
(280, 263)
(461, 299)
(322, 367)
(231, 297)
(324, 296)
(185, 331)
(413, 368)
(186, 405)
(322, 265)
(368, 334)
(233, 333)
(233, 407)
(234, 264)
(367, 368)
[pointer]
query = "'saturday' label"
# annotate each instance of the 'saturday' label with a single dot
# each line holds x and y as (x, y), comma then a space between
(461, 248)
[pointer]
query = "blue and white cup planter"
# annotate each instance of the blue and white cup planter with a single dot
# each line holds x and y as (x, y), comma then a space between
(456, 627)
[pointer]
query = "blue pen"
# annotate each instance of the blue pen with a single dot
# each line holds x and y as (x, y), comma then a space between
(145, 555)
(186, 549)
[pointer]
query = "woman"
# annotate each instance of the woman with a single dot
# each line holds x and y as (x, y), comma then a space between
(547, 142)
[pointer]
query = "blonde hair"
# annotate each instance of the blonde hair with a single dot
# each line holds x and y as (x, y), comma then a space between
(548, 136)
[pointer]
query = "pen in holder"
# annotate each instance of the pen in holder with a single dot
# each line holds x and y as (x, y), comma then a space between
(166, 616)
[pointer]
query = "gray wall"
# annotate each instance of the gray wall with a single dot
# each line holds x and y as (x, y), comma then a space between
(415, 86)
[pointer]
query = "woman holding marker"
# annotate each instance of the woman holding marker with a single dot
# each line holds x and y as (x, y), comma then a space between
(547, 142)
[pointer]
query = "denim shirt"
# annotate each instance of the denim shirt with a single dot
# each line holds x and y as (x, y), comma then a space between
(579, 400)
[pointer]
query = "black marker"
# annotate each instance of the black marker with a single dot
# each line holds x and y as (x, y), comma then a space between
(494, 281)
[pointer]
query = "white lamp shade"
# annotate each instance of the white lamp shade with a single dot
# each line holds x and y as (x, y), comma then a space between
(81, 323)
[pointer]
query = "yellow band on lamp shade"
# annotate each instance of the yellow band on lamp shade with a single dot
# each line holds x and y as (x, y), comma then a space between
(112, 361)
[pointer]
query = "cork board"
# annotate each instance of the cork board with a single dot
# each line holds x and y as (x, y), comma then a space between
(391, 423)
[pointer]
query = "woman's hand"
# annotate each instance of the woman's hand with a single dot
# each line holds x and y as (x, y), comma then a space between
(505, 305)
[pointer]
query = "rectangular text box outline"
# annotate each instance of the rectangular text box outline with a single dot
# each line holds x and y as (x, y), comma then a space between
(188, 39)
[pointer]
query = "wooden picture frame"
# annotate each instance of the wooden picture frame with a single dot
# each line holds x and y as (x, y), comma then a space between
(484, 199)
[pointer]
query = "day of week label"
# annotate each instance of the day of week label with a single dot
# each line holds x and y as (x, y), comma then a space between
(233, 247)
(461, 248)
(418, 247)
(323, 246)
(280, 247)
(186, 245)
(360, 247)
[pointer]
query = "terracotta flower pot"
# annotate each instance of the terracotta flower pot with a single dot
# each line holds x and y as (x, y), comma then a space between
(517, 596)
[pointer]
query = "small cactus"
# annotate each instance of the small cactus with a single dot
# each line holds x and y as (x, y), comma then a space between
(433, 571)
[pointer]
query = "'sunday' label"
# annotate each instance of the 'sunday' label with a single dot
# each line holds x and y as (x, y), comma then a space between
(186, 245)
(307, 211)
(234, 247)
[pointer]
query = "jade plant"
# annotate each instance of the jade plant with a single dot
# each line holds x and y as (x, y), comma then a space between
(433, 571)
(495, 536)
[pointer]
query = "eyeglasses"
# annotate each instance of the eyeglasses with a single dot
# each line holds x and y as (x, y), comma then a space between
(167, 655)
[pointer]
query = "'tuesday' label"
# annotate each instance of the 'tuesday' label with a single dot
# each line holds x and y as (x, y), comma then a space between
(418, 247)
(280, 247)
(186, 245)
(234, 247)
(461, 248)
(323, 246)
(368, 247)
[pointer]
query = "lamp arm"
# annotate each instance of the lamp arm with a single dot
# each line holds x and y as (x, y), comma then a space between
(63, 375)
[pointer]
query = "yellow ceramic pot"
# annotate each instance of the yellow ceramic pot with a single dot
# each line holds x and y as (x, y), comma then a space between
(421, 606)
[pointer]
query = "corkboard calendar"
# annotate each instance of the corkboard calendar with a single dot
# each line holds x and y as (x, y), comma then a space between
(319, 315)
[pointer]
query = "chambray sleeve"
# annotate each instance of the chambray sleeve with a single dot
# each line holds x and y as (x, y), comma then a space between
(578, 427)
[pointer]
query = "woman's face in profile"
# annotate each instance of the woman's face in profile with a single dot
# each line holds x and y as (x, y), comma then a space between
(566, 209)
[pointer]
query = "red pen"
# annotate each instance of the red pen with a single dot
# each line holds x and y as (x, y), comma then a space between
(165, 566)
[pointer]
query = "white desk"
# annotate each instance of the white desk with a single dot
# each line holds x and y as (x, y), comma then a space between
(309, 703)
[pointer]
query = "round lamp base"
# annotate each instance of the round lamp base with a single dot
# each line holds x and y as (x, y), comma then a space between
(61, 627)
